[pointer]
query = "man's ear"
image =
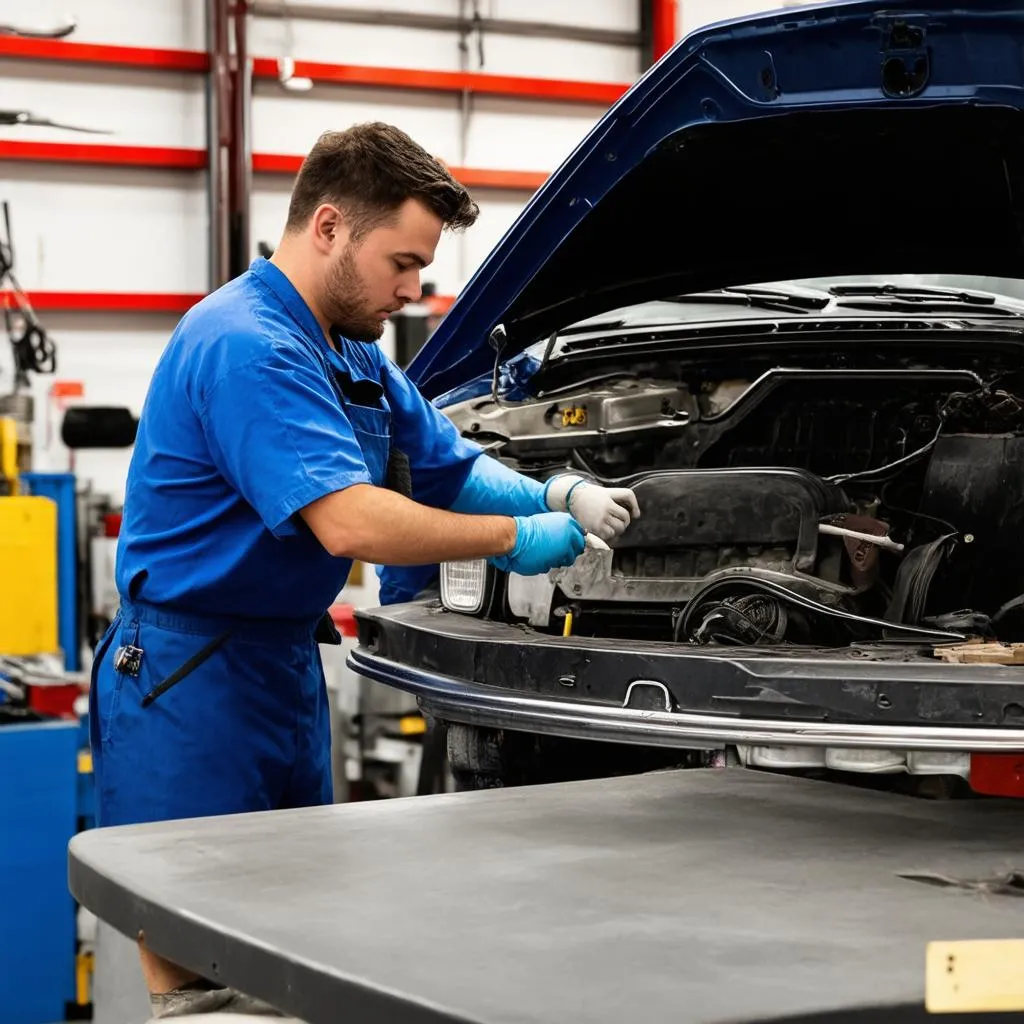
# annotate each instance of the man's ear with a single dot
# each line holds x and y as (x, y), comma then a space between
(329, 228)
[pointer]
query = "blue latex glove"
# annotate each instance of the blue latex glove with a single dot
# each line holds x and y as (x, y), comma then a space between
(493, 489)
(544, 541)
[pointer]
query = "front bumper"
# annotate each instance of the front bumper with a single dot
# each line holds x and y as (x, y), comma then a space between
(464, 669)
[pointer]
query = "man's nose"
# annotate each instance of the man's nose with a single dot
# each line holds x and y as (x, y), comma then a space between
(410, 289)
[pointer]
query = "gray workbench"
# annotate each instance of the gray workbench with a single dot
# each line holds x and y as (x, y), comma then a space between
(692, 896)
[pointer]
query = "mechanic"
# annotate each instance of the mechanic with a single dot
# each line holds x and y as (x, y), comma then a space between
(277, 443)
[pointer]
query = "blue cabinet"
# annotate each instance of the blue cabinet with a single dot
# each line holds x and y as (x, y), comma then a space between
(38, 816)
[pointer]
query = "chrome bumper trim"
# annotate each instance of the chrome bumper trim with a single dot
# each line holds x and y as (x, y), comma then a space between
(474, 703)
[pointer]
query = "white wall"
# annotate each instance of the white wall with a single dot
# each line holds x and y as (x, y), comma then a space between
(84, 229)
(696, 13)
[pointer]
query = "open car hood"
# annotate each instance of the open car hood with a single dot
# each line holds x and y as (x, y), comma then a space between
(848, 138)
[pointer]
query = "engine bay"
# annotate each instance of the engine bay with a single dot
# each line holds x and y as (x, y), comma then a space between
(842, 501)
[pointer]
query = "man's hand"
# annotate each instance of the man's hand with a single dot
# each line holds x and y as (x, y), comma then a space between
(602, 511)
(545, 541)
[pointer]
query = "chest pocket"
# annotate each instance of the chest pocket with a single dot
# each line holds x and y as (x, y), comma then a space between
(372, 428)
(369, 415)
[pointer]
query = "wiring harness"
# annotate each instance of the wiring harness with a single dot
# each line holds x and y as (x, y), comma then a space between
(34, 351)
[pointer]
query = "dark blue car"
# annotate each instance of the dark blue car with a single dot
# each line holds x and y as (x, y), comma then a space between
(779, 291)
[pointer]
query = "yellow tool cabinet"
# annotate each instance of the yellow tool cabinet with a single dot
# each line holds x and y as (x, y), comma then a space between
(8, 456)
(28, 576)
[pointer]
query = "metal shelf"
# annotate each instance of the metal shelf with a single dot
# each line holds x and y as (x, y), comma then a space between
(172, 158)
(471, 177)
(551, 89)
(227, 157)
(366, 76)
(108, 56)
(168, 157)
(107, 302)
(174, 303)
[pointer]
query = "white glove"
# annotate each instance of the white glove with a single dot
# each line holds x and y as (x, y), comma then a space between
(602, 511)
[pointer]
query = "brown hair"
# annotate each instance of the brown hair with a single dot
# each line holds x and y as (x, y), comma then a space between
(368, 171)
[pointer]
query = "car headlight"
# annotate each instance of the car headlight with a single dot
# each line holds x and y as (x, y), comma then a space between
(464, 585)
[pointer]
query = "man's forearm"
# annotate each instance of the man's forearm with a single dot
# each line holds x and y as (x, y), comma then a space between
(375, 525)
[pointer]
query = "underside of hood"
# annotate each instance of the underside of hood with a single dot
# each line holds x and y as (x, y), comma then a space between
(855, 138)
(887, 191)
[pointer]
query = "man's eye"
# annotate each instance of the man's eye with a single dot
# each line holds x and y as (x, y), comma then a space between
(402, 267)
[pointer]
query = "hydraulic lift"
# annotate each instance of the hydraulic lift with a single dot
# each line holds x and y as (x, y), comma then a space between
(695, 896)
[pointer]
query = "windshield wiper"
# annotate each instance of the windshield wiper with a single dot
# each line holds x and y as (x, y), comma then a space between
(920, 299)
(778, 300)
(758, 298)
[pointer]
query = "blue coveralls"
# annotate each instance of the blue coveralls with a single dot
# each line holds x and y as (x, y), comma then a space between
(250, 416)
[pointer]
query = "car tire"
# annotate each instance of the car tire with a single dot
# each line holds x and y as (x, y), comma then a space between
(482, 758)
(486, 758)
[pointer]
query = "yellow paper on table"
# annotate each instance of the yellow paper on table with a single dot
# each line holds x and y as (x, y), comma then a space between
(975, 976)
(28, 576)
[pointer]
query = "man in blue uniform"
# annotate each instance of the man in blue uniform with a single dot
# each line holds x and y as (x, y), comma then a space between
(277, 444)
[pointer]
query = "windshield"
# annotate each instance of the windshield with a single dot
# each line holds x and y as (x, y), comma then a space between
(1001, 287)
(936, 295)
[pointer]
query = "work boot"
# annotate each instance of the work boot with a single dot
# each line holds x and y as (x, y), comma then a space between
(204, 997)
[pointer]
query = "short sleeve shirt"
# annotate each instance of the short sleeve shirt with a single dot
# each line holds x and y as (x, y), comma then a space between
(250, 416)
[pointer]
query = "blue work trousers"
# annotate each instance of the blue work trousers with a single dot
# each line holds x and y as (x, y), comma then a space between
(220, 716)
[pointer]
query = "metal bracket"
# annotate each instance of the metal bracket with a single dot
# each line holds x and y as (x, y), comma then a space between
(660, 695)
(128, 660)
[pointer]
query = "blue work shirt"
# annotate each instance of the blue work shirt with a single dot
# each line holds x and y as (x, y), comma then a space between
(250, 416)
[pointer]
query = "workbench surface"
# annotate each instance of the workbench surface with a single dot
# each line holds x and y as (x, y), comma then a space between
(690, 896)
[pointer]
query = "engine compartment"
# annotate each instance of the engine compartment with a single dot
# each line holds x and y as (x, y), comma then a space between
(858, 497)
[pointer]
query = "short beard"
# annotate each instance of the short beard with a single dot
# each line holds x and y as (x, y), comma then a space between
(344, 302)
